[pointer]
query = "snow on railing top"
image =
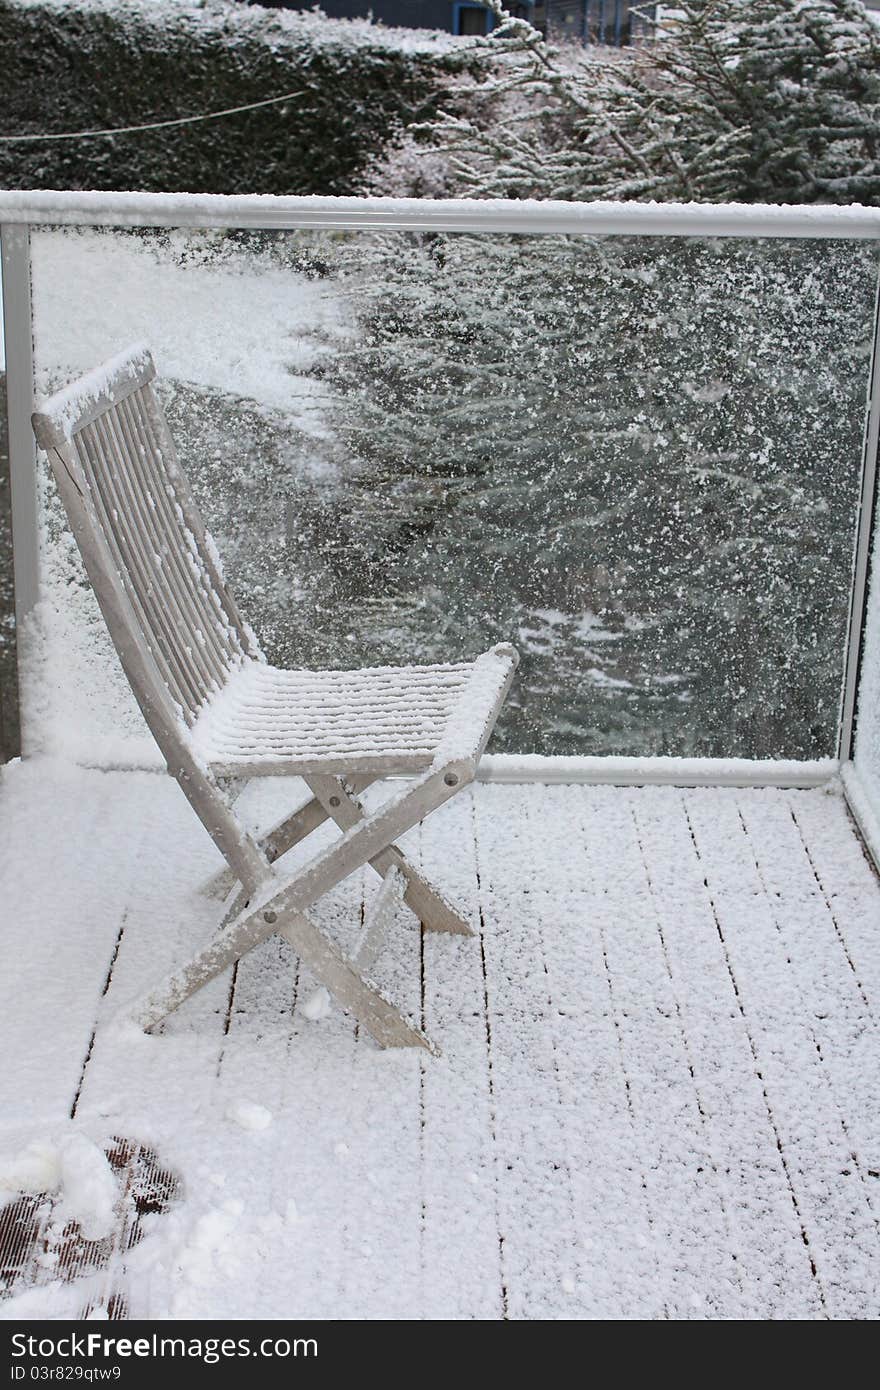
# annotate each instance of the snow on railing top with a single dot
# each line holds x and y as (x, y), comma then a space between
(427, 214)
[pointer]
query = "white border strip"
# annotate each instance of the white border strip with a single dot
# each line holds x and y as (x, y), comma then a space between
(662, 772)
(863, 813)
(862, 555)
(449, 215)
(15, 275)
(15, 271)
(523, 768)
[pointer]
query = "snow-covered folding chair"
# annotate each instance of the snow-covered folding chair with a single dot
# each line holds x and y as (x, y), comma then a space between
(218, 711)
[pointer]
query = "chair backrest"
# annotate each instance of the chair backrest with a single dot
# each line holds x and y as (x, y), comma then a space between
(137, 525)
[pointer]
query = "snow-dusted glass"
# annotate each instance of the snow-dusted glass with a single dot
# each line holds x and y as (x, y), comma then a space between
(639, 459)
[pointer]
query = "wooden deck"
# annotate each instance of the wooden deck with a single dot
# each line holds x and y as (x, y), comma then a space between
(658, 1095)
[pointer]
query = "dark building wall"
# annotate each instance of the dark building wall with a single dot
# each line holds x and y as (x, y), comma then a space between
(595, 21)
(407, 14)
(584, 21)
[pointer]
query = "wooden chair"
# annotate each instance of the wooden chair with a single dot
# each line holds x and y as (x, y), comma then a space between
(218, 711)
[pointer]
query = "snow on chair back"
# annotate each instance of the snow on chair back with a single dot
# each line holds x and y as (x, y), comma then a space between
(109, 435)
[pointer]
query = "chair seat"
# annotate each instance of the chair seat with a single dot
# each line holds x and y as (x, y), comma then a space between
(380, 719)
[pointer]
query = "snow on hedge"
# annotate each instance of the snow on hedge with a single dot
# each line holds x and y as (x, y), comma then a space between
(350, 87)
(231, 20)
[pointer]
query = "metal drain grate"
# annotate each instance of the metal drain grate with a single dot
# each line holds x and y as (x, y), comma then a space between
(38, 1247)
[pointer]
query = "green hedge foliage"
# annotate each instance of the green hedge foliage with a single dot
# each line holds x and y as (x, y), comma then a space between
(100, 63)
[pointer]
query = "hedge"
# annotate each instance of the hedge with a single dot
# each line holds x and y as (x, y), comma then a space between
(99, 63)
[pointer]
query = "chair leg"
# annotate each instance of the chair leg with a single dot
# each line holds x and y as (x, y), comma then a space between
(340, 976)
(375, 928)
(426, 901)
(287, 832)
(279, 906)
(382, 1019)
(234, 904)
(372, 937)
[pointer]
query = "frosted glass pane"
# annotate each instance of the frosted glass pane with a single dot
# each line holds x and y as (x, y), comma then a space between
(637, 459)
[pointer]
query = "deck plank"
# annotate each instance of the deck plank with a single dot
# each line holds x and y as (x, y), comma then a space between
(459, 1178)
(607, 1162)
(685, 1195)
(848, 880)
(763, 1228)
(312, 1189)
(383, 1136)
(136, 1087)
(255, 1070)
(545, 1265)
(830, 1198)
(61, 922)
(302, 1071)
(834, 1004)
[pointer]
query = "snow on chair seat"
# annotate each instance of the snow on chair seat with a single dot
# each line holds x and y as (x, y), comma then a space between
(216, 709)
(267, 721)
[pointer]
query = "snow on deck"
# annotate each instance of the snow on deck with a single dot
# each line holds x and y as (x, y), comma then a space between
(658, 1094)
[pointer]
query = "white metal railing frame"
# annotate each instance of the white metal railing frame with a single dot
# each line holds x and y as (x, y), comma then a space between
(19, 211)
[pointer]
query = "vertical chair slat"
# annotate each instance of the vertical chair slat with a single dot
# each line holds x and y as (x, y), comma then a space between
(138, 505)
(168, 673)
(238, 637)
(159, 545)
(159, 557)
(184, 575)
(219, 619)
(138, 569)
(103, 503)
(143, 571)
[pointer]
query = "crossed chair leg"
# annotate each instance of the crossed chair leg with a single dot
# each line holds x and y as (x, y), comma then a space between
(273, 905)
(337, 798)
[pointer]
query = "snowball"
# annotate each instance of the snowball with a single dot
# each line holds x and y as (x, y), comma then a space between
(318, 1004)
(211, 1247)
(249, 1116)
(36, 1169)
(89, 1190)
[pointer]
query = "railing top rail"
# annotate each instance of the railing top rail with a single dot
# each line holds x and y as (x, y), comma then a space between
(427, 214)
